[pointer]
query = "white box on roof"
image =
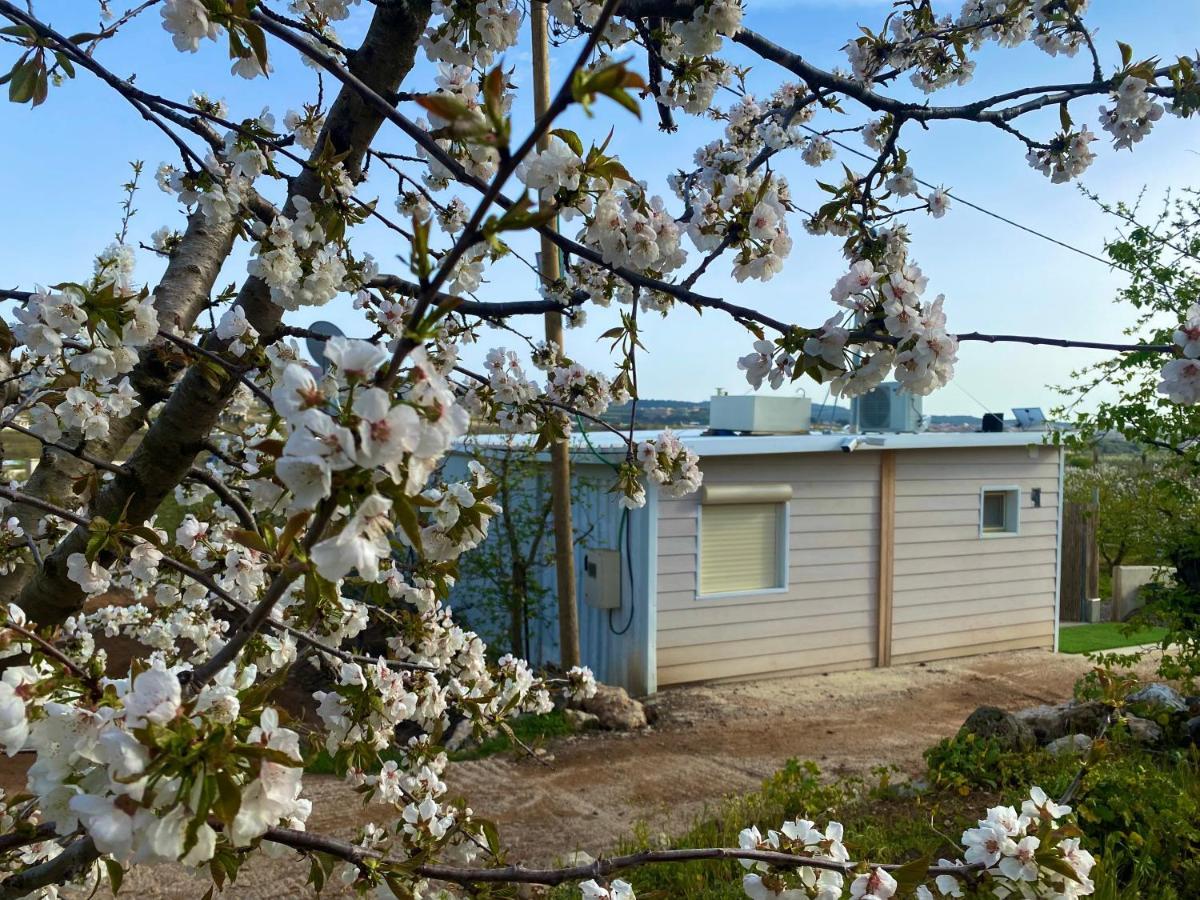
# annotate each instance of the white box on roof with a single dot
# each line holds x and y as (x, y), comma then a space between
(755, 414)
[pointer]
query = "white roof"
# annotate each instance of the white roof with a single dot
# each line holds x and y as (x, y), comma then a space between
(612, 446)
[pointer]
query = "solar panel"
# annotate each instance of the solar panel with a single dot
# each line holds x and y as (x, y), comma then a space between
(1029, 416)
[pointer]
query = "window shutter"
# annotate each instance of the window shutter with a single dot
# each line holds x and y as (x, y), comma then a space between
(994, 503)
(739, 547)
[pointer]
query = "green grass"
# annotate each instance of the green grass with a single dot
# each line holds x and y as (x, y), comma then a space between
(532, 731)
(1105, 636)
(529, 730)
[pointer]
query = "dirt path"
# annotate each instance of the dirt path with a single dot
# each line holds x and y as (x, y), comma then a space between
(709, 742)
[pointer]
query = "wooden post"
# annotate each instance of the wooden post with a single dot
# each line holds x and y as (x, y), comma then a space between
(560, 460)
(887, 554)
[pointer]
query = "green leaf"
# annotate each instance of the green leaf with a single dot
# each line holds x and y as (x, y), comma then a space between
(912, 874)
(406, 515)
(229, 797)
(1064, 117)
(116, 874)
(147, 534)
(1052, 859)
(251, 539)
(521, 215)
(258, 43)
(626, 100)
(421, 264)
(1126, 53)
(570, 138)
(271, 755)
(290, 530)
(64, 63)
(24, 81)
(443, 105)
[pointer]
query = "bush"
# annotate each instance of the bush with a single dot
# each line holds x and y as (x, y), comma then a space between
(1139, 811)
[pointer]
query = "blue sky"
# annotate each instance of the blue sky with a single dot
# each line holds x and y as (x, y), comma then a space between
(65, 161)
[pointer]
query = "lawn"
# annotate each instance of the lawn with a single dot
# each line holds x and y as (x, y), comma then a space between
(1104, 636)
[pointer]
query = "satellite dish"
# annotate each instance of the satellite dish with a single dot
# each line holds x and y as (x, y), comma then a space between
(316, 347)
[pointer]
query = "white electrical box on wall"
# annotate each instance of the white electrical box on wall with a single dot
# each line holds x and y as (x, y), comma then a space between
(602, 579)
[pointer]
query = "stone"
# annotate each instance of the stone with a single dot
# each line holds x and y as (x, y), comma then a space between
(1069, 743)
(1193, 729)
(1050, 722)
(1144, 731)
(460, 735)
(615, 709)
(914, 787)
(578, 858)
(1158, 698)
(1010, 732)
(580, 720)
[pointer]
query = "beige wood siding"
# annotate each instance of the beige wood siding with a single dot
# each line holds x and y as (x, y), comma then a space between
(957, 593)
(824, 621)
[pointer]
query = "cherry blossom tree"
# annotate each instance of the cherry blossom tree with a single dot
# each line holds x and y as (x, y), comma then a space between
(315, 512)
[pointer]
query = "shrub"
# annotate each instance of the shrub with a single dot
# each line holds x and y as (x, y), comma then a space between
(1139, 811)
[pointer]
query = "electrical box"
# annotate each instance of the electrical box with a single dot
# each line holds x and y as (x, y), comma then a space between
(602, 579)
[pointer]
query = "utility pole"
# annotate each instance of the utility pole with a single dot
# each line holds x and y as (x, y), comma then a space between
(560, 459)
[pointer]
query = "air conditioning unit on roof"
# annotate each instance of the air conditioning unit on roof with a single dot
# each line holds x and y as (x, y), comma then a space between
(754, 414)
(887, 409)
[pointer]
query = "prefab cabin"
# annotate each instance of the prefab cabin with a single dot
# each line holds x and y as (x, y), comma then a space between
(808, 553)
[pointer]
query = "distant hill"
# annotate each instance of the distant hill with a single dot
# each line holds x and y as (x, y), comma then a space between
(681, 414)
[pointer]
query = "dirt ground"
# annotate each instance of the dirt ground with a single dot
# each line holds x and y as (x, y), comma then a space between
(709, 742)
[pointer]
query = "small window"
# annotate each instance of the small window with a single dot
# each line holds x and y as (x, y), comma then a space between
(742, 547)
(999, 511)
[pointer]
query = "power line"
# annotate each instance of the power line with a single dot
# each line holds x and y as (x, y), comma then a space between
(982, 405)
(978, 208)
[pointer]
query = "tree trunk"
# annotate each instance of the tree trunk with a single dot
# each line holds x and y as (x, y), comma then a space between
(516, 609)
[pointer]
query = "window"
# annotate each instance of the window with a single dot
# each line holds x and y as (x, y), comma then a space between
(743, 539)
(999, 511)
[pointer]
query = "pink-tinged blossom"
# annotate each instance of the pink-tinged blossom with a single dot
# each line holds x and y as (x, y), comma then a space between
(1181, 381)
(361, 543)
(155, 696)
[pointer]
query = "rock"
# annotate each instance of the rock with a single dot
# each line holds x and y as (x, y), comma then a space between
(533, 891)
(1007, 729)
(1144, 731)
(578, 858)
(459, 736)
(1193, 729)
(1049, 723)
(914, 787)
(1158, 698)
(580, 720)
(1069, 743)
(616, 710)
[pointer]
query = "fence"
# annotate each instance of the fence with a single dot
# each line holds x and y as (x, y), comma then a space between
(1080, 574)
